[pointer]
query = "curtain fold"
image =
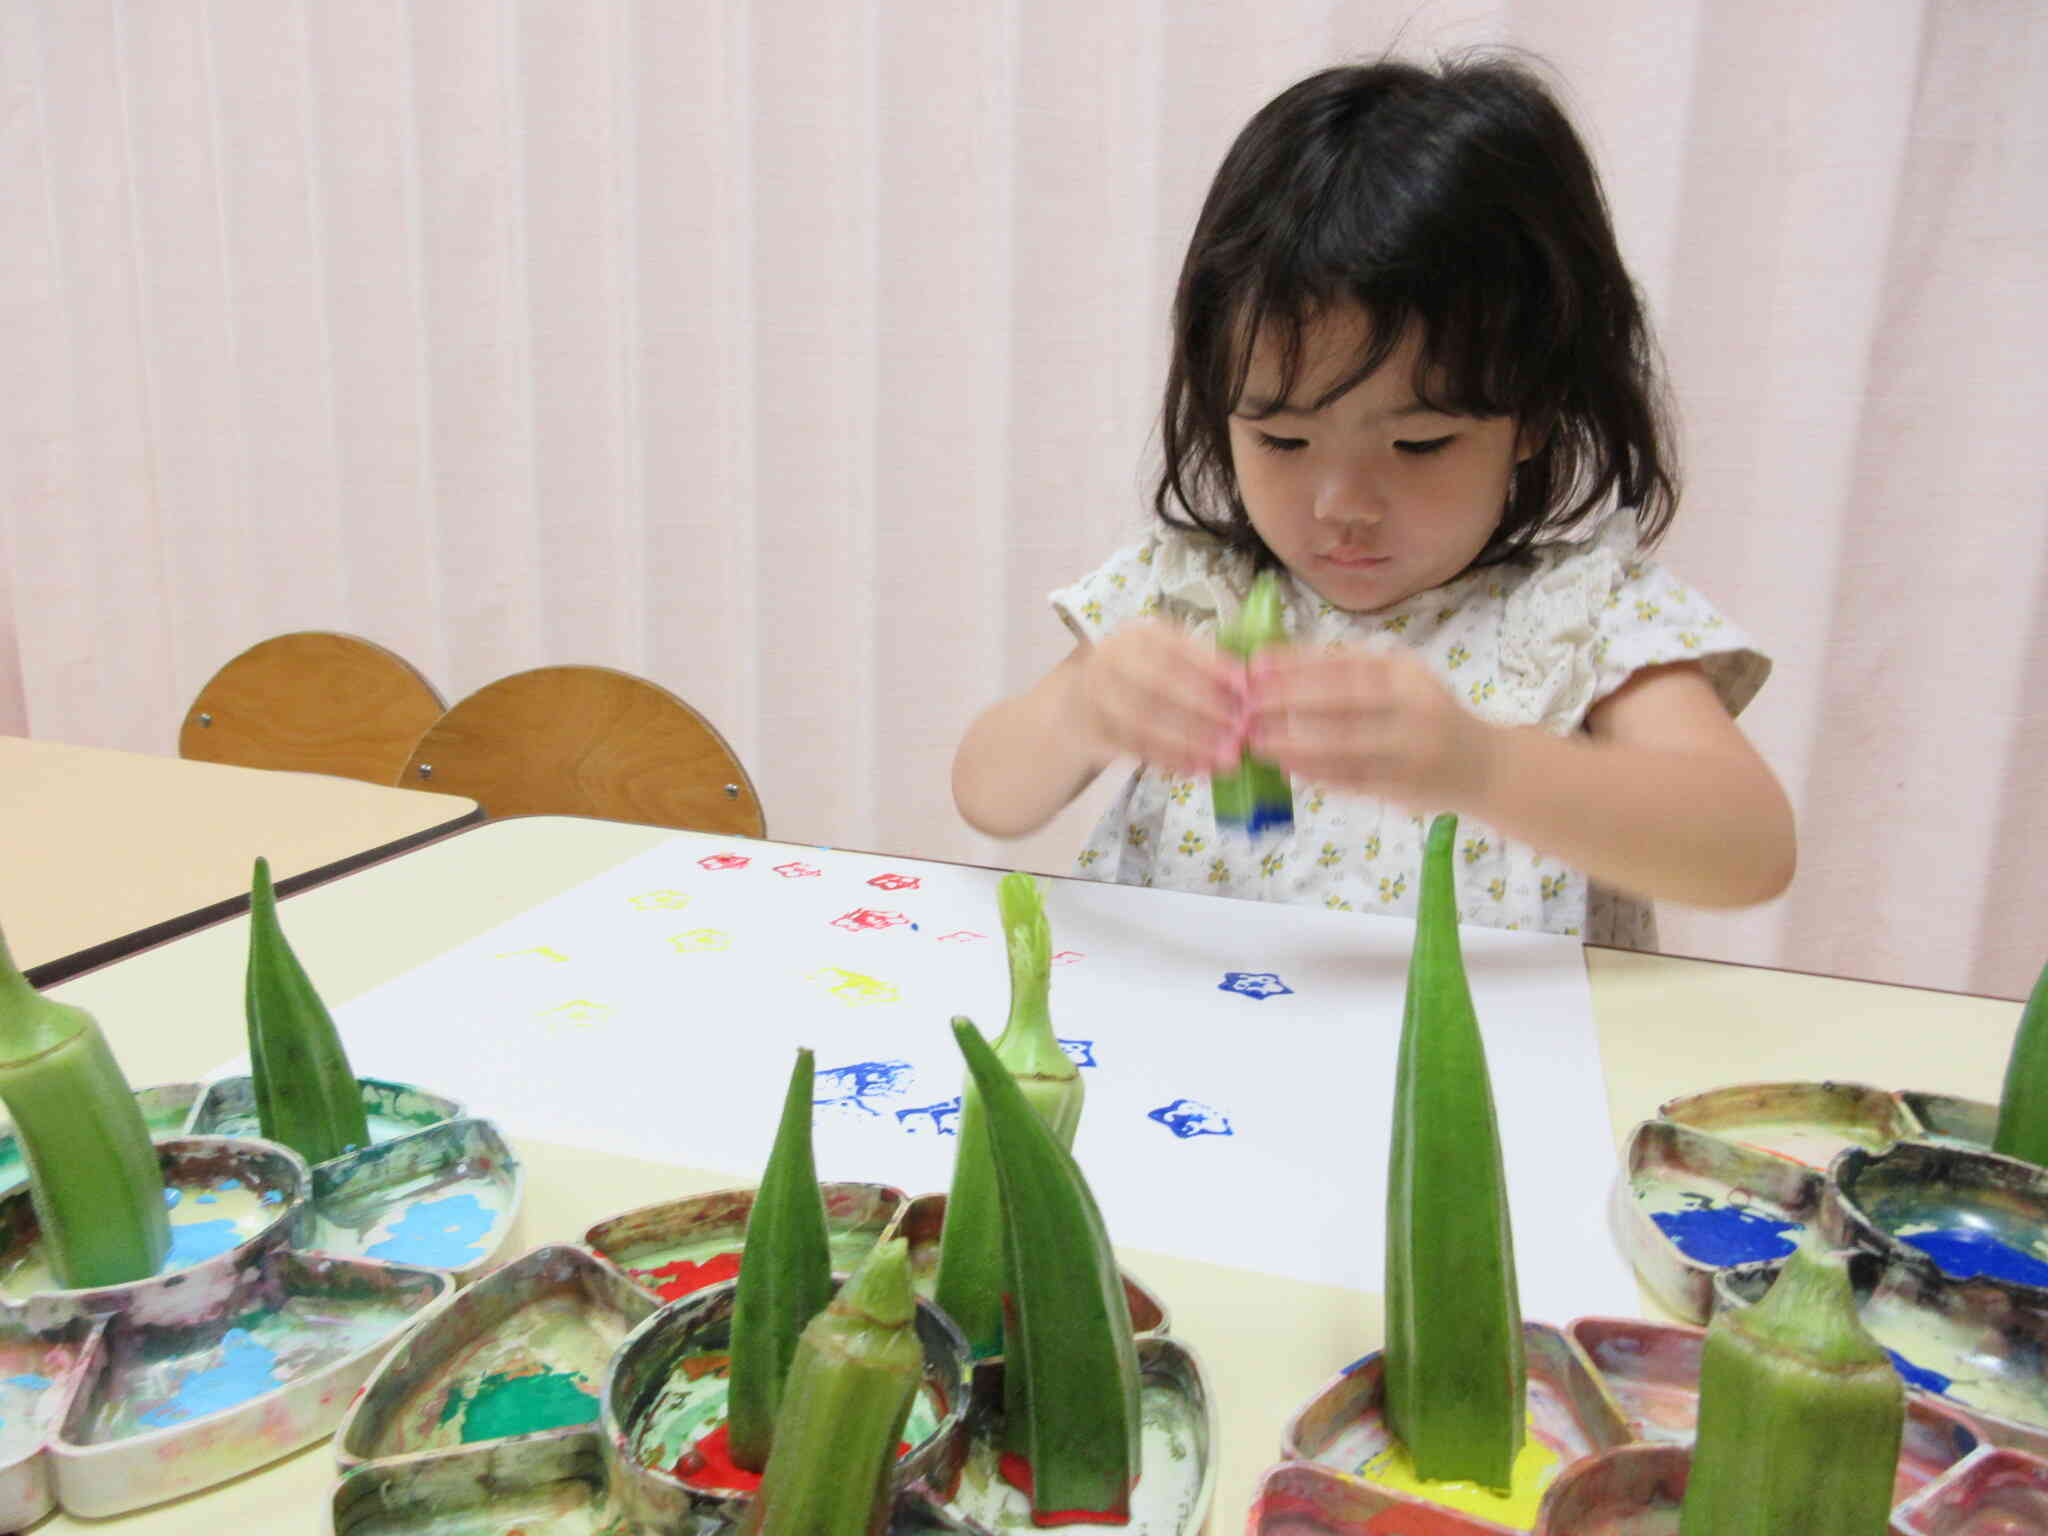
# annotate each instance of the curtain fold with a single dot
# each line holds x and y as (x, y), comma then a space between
(789, 353)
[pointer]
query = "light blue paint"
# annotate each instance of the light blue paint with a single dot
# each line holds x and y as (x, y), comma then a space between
(208, 1198)
(230, 1183)
(246, 1370)
(30, 1382)
(198, 1240)
(172, 1197)
(440, 1234)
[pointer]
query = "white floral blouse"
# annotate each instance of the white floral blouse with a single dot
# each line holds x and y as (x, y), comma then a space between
(1535, 643)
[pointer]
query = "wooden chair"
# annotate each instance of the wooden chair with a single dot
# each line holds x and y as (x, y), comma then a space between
(587, 741)
(315, 702)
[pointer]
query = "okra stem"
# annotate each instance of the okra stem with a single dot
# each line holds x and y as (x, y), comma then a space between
(2023, 1106)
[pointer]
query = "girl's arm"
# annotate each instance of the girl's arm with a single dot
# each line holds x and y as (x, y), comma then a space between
(1661, 796)
(1149, 691)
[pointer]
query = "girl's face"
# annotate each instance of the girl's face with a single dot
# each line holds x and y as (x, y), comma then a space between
(1375, 497)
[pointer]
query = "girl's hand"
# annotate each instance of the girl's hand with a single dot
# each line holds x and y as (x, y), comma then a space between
(1373, 723)
(1155, 692)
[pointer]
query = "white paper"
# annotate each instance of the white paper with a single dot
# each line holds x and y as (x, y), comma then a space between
(1239, 1055)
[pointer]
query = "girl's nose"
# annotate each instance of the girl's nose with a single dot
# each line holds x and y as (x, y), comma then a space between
(1351, 494)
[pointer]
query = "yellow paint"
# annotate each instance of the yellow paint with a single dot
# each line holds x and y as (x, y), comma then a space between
(854, 989)
(1535, 1468)
(660, 901)
(700, 939)
(539, 949)
(580, 1011)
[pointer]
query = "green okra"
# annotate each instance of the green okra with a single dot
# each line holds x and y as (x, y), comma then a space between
(93, 1175)
(1801, 1413)
(973, 1258)
(1255, 796)
(1070, 1325)
(1456, 1367)
(785, 1275)
(851, 1384)
(2023, 1107)
(306, 1094)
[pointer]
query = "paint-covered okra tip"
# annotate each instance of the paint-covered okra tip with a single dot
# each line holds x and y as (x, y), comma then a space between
(1255, 797)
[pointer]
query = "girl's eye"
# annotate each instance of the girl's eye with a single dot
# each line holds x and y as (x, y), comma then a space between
(1425, 446)
(1274, 444)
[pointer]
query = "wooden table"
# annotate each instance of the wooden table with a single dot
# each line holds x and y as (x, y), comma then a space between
(107, 852)
(1666, 1026)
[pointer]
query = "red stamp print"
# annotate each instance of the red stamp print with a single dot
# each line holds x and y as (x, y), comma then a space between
(1068, 957)
(862, 919)
(724, 861)
(797, 869)
(961, 936)
(895, 882)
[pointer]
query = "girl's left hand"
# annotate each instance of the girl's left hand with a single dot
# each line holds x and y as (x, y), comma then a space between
(1374, 723)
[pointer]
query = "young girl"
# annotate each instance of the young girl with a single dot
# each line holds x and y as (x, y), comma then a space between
(1410, 372)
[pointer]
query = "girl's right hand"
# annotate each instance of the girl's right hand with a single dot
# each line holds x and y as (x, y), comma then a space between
(1155, 692)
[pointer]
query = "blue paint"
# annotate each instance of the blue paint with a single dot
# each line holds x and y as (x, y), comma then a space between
(270, 1197)
(172, 1197)
(1966, 1253)
(207, 1199)
(913, 927)
(1190, 1117)
(851, 1086)
(440, 1234)
(30, 1382)
(230, 1183)
(197, 1240)
(1254, 984)
(1080, 1052)
(246, 1370)
(944, 1116)
(1918, 1375)
(1725, 1234)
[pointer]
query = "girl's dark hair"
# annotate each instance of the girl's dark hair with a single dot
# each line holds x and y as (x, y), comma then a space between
(1458, 201)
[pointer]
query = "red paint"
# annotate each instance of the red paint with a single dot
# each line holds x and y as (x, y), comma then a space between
(709, 1465)
(725, 861)
(894, 882)
(671, 1282)
(1016, 1471)
(867, 919)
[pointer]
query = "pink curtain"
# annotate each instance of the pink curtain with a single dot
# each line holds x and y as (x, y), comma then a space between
(788, 353)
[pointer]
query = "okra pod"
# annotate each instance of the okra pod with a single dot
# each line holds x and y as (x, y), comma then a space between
(1801, 1413)
(2023, 1107)
(1456, 1370)
(785, 1275)
(1070, 1334)
(973, 1262)
(306, 1094)
(94, 1179)
(851, 1383)
(1254, 797)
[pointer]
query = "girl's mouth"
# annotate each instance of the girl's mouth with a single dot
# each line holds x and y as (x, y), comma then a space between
(1355, 559)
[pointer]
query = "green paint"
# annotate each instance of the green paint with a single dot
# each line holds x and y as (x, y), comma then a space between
(521, 1405)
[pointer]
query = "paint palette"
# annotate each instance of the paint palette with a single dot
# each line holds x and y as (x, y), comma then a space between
(1734, 1175)
(565, 1387)
(1614, 1399)
(284, 1287)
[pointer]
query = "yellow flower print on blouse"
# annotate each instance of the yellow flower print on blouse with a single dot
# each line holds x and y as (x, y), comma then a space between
(1150, 607)
(1336, 903)
(1219, 872)
(1646, 610)
(1553, 887)
(1137, 837)
(1372, 846)
(1391, 889)
(1481, 692)
(1689, 640)
(1315, 801)
(1181, 792)
(1145, 554)
(1330, 855)
(1089, 856)
(1457, 656)
(1397, 625)
(1092, 611)
(1118, 580)
(1476, 849)
(1272, 864)
(1497, 888)
(1190, 843)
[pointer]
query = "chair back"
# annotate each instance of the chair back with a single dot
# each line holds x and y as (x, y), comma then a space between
(587, 741)
(315, 702)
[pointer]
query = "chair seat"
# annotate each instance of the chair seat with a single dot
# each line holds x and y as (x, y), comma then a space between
(587, 741)
(314, 702)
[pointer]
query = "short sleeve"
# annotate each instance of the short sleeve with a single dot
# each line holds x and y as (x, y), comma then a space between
(1124, 587)
(1650, 618)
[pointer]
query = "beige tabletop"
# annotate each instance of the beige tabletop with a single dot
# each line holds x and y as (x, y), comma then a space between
(98, 845)
(1666, 1026)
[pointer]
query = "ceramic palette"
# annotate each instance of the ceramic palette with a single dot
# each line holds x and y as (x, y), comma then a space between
(284, 1287)
(578, 1382)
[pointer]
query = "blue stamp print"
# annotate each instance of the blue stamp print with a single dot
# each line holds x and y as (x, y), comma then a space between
(1254, 984)
(1191, 1117)
(853, 1085)
(944, 1117)
(1080, 1052)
